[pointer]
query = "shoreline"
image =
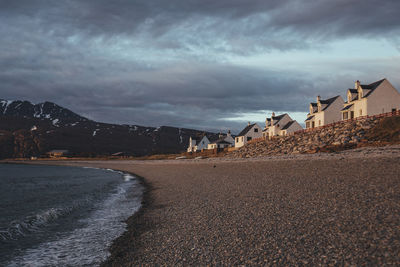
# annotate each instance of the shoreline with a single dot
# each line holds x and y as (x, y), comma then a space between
(189, 218)
(123, 243)
(100, 202)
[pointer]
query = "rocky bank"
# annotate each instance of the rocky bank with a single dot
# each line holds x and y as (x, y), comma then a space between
(340, 136)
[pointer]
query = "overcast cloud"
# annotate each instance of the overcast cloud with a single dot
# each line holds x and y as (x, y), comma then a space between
(197, 63)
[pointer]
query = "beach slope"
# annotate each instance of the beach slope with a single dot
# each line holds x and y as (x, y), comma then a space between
(339, 208)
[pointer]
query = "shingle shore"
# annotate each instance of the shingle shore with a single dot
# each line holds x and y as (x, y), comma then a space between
(316, 210)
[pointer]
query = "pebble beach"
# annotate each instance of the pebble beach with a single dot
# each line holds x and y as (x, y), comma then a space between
(320, 209)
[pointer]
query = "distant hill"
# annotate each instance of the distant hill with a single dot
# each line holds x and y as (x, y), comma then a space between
(28, 129)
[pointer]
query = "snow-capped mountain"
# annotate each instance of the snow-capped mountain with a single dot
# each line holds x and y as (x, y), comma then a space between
(47, 110)
(28, 129)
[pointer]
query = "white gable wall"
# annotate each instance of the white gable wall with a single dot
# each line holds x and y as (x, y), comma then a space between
(203, 143)
(294, 128)
(274, 130)
(254, 132)
(229, 139)
(192, 144)
(332, 113)
(383, 99)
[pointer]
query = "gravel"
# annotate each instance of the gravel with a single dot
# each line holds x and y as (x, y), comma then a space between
(326, 209)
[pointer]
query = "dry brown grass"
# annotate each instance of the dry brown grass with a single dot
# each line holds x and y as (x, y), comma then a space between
(387, 130)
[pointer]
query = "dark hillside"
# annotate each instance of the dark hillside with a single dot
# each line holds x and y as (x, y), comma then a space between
(28, 130)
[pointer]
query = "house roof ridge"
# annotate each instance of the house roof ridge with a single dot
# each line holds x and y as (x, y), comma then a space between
(246, 130)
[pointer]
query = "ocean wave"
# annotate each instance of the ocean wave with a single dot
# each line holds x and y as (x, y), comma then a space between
(127, 176)
(37, 222)
(88, 245)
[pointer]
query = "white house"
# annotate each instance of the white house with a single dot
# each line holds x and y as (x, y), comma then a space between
(251, 131)
(223, 141)
(371, 99)
(324, 112)
(280, 126)
(220, 143)
(198, 144)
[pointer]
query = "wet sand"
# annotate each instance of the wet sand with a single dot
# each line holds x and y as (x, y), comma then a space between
(333, 209)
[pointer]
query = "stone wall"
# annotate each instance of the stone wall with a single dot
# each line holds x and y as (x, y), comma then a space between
(342, 135)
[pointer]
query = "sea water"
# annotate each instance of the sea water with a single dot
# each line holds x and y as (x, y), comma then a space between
(62, 216)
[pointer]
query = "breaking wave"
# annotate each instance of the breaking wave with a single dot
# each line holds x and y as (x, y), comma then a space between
(88, 237)
(37, 222)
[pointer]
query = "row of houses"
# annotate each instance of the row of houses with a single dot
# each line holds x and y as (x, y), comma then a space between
(364, 100)
(204, 142)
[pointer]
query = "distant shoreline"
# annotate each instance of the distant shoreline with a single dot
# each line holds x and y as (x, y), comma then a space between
(223, 211)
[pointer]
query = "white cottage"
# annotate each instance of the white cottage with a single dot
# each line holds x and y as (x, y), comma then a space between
(280, 126)
(324, 112)
(198, 144)
(222, 141)
(371, 99)
(251, 131)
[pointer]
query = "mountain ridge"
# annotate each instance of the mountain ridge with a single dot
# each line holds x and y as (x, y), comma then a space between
(28, 129)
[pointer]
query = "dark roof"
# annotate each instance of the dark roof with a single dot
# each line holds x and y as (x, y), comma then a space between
(215, 138)
(221, 141)
(314, 104)
(278, 118)
(309, 118)
(246, 130)
(287, 125)
(347, 107)
(329, 101)
(353, 92)
(372, 86)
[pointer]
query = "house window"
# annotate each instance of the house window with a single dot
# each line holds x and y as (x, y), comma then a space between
(345, 115)
(242, 138)
(248, 138)
(255, 130)
(360, 112)
(237, 139)
(351, 114)
(319, 122)
(313, 124)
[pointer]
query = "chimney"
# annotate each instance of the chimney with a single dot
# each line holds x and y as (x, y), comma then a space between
(229, 133)
(273, 114)
(357, 84)
(220, 135)
(248, 124)
(318, 99)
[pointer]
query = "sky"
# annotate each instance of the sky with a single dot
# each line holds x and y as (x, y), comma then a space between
(202, 64)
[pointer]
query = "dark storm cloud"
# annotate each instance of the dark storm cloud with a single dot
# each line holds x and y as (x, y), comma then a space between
(232, 20)
(157, 62)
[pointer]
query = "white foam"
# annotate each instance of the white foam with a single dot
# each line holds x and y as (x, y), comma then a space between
(38, 222)
(88, 245)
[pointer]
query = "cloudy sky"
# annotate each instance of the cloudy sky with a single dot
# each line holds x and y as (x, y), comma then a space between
(204, 64)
